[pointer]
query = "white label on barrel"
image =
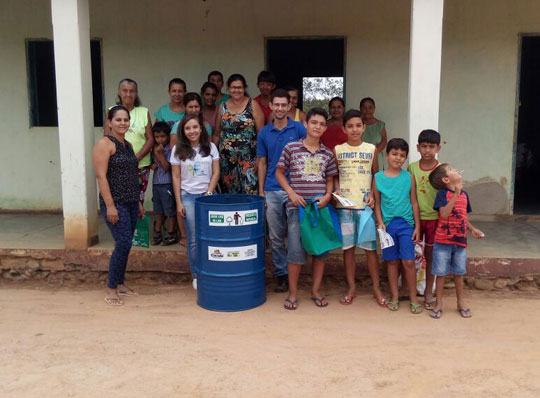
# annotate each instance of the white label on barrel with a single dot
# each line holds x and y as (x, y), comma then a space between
(233, 218)
(232, 253)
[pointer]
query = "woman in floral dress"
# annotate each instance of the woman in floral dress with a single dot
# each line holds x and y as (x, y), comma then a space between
(237, 122)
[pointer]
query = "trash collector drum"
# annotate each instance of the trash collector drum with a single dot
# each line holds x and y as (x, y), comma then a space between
(230, 232)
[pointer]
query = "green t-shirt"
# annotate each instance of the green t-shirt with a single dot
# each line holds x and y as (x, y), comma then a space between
(164, 114)
(424, 191)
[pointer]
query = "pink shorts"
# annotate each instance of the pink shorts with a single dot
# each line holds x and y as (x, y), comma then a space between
(427, 231)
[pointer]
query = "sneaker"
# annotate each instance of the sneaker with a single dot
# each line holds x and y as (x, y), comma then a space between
(158, 238)
(194, 283)
(168, 240)
(282, 285)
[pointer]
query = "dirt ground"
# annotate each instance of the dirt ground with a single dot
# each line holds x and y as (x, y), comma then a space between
(68, 342)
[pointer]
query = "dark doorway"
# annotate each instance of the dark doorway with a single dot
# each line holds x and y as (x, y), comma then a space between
(292, 59)
(527, 187)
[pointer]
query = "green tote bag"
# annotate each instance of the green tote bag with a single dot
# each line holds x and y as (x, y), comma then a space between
(141, 237)
(319, 228)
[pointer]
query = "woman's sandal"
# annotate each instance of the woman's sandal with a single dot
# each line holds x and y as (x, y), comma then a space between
(127, 292)
(416, 308)
(319, 301)
(393, 305)
(291, 306)
(346, 300)
(114, 301)
(465, 312)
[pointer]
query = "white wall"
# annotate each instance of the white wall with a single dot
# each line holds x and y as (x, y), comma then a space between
(158, 40)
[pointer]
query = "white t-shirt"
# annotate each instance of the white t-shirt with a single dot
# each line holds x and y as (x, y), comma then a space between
(196, 173)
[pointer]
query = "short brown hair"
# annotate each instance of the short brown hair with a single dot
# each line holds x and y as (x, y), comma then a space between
(437, 175)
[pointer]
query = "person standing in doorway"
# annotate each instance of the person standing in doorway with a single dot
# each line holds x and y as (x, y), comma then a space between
(270, 143)
(334, 134)
(266, 82)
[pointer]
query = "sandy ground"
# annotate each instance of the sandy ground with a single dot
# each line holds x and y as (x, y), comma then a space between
(67, 342)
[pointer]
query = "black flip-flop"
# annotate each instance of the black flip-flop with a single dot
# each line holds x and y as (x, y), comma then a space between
(319, 301)
(292, 307)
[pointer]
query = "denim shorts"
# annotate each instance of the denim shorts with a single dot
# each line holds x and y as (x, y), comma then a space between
(163, 199)
(449, 259)
(295, 251)
(349, 220)
(401, 232)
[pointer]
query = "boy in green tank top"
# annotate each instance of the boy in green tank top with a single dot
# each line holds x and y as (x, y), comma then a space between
(429, 144)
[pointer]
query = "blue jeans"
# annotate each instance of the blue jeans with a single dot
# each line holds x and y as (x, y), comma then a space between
(188, 200)
(122, 233)
(276, 217)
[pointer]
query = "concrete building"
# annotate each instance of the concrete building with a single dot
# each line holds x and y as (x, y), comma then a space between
(404, 54)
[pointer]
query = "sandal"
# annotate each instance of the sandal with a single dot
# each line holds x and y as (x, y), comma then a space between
(381, 300)
(435, 314)
(465, 312)
(416, 308)
(127, 292)
(114, 301)
(393, 305)
(291, 306)
(319, 301)
(346, 300)
(429, 305)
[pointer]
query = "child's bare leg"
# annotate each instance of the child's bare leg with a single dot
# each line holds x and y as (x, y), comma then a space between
(294, 275)
(318, 272)
(373, 267)
(430, 278)
(439, 288)
(410, 276)
(350, 270)
(458, 281)
(171, 225)
(393, 275)
(158, 225)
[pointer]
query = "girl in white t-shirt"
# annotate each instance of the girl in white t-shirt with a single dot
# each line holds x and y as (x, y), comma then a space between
(195, 172)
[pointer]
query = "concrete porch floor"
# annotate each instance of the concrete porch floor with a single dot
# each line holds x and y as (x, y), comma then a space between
(511, 245)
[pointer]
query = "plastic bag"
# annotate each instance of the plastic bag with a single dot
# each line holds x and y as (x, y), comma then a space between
(141, 237)
(420, 263)
(319, 228)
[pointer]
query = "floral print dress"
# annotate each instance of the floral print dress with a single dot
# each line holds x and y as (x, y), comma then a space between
(238, 151)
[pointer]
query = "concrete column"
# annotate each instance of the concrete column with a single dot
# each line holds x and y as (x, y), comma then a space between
(424, 68)
(71, 28)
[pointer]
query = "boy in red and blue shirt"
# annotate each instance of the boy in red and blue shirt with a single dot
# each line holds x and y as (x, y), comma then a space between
(449, 250)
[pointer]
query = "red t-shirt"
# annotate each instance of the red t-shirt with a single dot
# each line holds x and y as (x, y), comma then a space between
(333, 136)
(452, 230)
(266, 109)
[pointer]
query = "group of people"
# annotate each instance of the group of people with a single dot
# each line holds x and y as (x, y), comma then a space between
(211, 142)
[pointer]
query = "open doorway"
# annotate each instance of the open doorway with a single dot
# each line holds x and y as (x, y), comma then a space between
(295, 59)
(527, 157)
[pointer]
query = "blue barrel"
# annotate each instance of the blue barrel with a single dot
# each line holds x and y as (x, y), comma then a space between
(230, 231)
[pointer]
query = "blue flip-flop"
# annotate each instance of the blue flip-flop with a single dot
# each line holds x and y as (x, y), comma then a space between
(292, 307)
(319, 301)
(435, 314)
(465, 312)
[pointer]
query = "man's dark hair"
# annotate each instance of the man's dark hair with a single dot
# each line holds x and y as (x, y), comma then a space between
(280, 93)
(161, 127)
(215, 73)
(177, 80)
(437, 175)
(316, 111)
(430, 137)
(351, 113)
(397, 143)
(266, 76)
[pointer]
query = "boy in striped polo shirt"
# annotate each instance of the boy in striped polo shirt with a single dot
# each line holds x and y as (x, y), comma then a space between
(311, 167)
(449, 253)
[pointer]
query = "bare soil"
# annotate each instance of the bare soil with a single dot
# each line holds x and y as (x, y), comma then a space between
(67, 342)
